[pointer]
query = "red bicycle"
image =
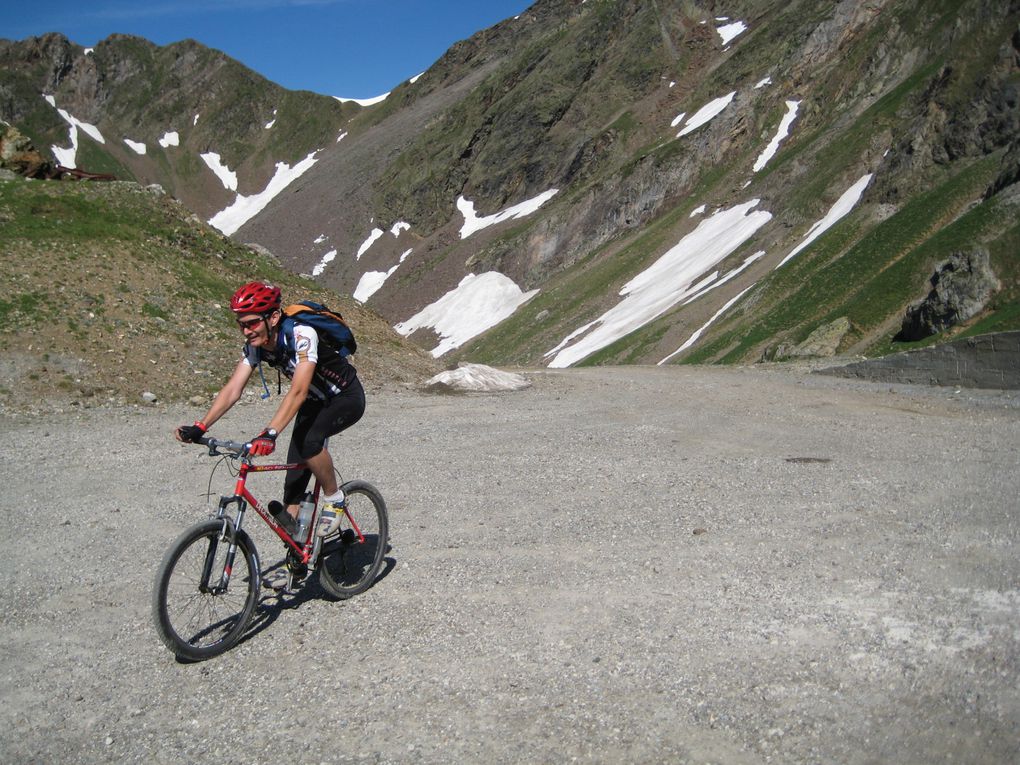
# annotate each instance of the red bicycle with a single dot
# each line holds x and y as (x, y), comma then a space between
(208, 584)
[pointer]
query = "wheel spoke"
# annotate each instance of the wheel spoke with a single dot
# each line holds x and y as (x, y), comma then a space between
(352, 556)
(199, 622)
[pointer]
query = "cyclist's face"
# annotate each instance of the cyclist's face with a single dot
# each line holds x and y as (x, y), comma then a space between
(255, 328)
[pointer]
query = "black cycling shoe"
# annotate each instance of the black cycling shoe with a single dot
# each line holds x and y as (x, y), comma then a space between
(285, 519)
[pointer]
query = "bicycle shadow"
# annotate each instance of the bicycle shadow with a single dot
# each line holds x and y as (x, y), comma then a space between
(273, 602)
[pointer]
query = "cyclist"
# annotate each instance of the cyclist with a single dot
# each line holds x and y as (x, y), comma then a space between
(325, 397)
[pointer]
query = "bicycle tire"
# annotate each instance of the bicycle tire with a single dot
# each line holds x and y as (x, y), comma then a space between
(193, 622)
(348, 565)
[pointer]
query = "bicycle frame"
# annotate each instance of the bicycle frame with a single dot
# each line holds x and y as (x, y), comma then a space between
(306, 550)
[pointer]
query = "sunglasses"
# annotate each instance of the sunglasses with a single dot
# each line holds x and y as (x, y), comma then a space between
(250, 323)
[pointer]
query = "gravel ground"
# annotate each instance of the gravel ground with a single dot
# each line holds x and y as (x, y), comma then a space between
(616, 565)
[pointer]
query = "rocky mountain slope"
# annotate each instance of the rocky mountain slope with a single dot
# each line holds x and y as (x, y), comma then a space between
(114, 289)
(609, 181)
(164, 115)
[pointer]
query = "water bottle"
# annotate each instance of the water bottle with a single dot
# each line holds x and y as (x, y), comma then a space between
(305, 511)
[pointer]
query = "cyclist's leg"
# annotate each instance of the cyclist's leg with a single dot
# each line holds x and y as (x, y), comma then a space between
(296, 480)
(316, 421)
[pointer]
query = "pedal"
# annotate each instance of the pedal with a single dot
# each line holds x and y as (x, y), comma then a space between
(296, 572)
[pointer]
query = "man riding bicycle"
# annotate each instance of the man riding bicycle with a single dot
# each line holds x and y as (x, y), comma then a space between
(325, 396)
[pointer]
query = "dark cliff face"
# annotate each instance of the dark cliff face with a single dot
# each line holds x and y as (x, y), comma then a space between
(918, 97)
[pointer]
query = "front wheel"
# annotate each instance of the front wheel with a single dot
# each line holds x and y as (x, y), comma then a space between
(352, 556)
(204, 595)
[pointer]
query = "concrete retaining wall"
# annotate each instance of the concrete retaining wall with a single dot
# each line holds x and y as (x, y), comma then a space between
(986, 361)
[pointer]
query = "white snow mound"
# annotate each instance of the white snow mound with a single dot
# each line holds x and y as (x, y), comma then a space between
(475, 378)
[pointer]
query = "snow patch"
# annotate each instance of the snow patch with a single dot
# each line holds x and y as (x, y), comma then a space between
(227, 177)
(713, 282)
(474, 223)
(68, 157)
(706, 113)
(372, 281)
(694, 338)
(781, 133)
(376, 233)
(666, 282)
(245, 208)
(762, 83)
(699, 210)
(323, 262)
(729, 31)
(364, 101)
(843, 205)
(478, 378)
(400, 226)
(135, 146)
(476, 304)
(170, 138)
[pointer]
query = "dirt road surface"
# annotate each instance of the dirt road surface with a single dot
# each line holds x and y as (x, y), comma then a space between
(621, 565)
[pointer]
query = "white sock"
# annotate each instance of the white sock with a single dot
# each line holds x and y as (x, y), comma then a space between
(337, 497)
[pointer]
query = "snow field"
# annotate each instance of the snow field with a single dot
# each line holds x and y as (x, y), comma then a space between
(667, 282)
(475, 305)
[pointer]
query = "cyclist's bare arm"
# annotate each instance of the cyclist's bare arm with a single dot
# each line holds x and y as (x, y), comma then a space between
(229, 393)
(296, 395)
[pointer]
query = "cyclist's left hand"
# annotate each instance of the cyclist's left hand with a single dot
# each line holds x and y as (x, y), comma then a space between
(190, 434)
(264, 443)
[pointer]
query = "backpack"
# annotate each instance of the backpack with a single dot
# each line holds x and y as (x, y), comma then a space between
(330, 326)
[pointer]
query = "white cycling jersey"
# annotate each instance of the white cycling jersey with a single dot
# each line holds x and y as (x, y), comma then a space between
(305, 348)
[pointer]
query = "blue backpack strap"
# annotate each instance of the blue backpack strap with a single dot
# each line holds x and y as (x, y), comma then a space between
(285, 336)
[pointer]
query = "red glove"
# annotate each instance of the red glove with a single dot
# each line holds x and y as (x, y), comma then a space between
(263, 443)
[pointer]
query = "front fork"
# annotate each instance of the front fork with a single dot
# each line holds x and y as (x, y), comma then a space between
(228, 534)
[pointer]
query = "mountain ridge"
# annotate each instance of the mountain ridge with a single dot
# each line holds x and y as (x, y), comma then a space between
(647, 122)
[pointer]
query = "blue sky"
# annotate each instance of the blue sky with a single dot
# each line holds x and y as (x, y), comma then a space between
(347, 48)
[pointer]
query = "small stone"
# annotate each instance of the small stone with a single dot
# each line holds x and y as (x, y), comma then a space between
(149, 397)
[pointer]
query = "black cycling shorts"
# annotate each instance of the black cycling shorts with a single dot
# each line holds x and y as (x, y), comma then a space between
(315, 422)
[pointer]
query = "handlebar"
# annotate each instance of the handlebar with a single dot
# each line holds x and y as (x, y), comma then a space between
(231, 448)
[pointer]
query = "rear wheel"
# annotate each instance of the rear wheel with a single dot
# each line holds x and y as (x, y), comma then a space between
(201, 606)
(352, 556)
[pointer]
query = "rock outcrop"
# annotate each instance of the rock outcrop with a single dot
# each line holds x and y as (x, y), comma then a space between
(961, 287)
(823, 342)
(18, 155)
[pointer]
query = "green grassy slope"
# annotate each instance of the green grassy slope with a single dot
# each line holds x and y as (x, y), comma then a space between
(111, 289)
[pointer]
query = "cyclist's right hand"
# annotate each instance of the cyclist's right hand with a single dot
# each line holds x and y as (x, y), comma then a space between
(191, 433)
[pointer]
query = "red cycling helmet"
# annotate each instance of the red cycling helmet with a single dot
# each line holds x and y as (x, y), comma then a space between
(255, 297)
